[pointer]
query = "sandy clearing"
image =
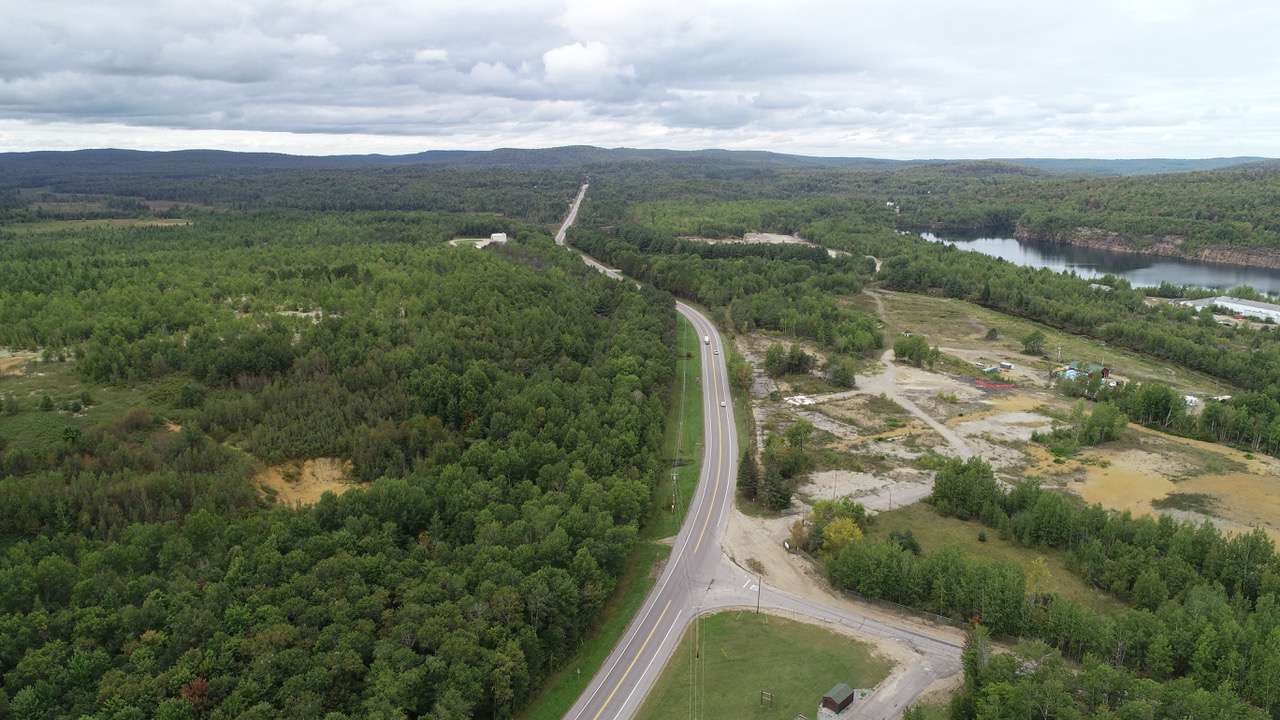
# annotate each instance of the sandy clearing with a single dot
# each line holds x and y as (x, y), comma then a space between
(1132, 479)
(478, 243)
(1007, 426)
(898, 487)
(1129, 482)
(302, 483)
(826, 423)
(760, 539)
(757, 238)
(15, 363)
(1044, 465)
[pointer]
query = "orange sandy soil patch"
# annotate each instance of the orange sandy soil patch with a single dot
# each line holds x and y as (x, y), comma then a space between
(303, 482)
(911, 429)
(1246, 496)
(15, 363)
(1001, 404)
(1044, 465)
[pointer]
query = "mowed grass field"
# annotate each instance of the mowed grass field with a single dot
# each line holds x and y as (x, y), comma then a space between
(682, 442)
(934, 531)
(743, 653)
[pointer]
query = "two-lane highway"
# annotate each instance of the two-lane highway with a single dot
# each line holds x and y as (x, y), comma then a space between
(573, 214)
(635, 663)
(699, 577)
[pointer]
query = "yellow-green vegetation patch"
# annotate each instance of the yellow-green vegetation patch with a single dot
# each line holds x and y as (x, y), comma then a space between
(27, 421)
(1044, 567)
(955, 322)
(740, 654)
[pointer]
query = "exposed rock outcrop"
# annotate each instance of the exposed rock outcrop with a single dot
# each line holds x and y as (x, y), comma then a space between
(1158, 245)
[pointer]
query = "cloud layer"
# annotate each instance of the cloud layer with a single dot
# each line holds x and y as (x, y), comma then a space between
(918, 79)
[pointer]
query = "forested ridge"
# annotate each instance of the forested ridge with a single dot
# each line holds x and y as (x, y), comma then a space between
(506, 404)
(1233, 207)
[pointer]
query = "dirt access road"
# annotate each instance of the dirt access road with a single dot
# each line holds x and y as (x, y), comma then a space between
(886, 383)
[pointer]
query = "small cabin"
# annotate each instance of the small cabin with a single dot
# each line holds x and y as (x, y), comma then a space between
(837, 699)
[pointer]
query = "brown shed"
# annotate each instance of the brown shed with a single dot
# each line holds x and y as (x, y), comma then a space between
(838, 698)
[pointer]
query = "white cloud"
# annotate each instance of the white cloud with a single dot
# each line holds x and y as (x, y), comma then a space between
(579, 63)
(431, 55)
(878, 77)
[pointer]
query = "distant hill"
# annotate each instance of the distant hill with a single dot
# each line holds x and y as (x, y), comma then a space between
(1137, 166)
(33, 169)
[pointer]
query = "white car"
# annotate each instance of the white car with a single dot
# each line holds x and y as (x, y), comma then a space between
(717, 352)
(721, 403)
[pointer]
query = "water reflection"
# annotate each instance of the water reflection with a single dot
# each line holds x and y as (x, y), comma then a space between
(1139, 270)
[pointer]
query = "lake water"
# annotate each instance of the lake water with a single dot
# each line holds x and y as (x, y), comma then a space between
(1139, 270)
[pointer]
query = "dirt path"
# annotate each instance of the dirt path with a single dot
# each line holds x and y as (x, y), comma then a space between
(886, 383)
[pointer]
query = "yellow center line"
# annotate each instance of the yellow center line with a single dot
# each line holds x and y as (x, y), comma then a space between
(719, 458)
(627, 672)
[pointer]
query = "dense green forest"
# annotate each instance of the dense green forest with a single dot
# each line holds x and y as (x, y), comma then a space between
(1200, 638)
(503, 409)
(1228, 202)
(1239, 206)
(535, 196)
(509, 403)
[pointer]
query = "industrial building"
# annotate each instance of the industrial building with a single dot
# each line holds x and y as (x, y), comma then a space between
(1236, 306)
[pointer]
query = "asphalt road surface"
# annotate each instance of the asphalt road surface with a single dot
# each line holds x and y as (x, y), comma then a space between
(699, 578)
(573, 214)
(635, 663)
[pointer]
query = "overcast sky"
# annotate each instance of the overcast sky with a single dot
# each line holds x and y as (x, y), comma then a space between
(902, 79)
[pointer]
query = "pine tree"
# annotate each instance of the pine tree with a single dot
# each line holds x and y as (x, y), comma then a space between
(777, 495)
(749, 475)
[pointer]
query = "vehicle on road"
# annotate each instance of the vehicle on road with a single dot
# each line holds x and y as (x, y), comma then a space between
(706, 339)
(721, 403)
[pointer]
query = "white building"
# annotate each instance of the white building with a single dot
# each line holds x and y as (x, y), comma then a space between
(1248, 308)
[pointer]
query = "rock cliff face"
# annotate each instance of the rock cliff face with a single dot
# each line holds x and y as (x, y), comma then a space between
(1159, 245)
